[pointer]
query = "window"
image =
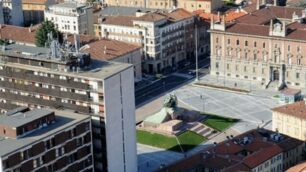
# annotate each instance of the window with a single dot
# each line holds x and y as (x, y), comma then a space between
(227, 66)
(246, 43)
(244, 69)
(217, 65)
(297, 75)
(237, 42)
(255, 44)
(217, 40)
(228, 41)
(289, 48)
(264, 45)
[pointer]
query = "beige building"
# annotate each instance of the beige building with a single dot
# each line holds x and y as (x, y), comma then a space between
(189, 5)
(290, 120)
(205, 5)
(156, 4)
(166, 37)
(268, 47)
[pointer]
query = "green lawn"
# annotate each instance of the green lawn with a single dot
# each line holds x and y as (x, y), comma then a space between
(219, 123)
(188, 140)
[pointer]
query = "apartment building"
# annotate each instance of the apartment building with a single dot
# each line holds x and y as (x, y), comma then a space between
(12, 12)
(290, 119)
(155, 4)
(266, 46)
(167, 37)
(33, 10)
(207, 6)
(45, 140)
(256, 150)
(61, 78)
(71, 17)
(99, 49)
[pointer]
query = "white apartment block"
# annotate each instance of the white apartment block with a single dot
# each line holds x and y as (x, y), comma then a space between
(12, 12)
(103, 90)
(167, 38)
(71, 17)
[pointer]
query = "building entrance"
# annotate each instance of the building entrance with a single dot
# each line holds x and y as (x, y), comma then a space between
(275, 75)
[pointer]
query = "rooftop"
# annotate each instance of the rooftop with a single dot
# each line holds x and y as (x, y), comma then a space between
(64, 119)
(68, 5)
(297, 109)
(257, 23)
(19, 119)
(106, 50)
(242, 152)
(119, 10)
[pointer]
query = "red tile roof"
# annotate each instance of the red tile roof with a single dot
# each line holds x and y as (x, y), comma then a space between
(297, 109)
(18, 34)
(241, 153)
(108, 49)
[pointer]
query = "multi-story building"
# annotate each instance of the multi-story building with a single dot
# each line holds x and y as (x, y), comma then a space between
(267, 46)
(156, 4)
(255, 150)
(33, 11)
(45, 140)
(205, 5)
(189, 5)
(98, 48)
(167, 37)
(12, 12)
(64, 79)
(290, 119)
(71, 17)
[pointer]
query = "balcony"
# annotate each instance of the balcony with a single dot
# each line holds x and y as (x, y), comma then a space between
(49, 103)
(28, 75)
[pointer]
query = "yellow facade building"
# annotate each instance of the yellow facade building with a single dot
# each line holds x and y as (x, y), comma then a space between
(290, 120)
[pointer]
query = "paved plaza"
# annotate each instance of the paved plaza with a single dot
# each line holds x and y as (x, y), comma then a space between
(253, 110)
(150, 158)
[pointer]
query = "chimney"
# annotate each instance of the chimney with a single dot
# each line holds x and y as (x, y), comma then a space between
(257, 5)
(30, 28)
(105, 48)
(284, 30)
(275, 2)
(219, 19)
(271, 27)
(211, 21)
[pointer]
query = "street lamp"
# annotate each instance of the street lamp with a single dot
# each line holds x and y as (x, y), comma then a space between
(196, 51)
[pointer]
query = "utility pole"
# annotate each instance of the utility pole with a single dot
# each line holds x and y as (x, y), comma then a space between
(196, 51)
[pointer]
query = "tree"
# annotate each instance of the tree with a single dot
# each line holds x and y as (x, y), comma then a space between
(41, 37)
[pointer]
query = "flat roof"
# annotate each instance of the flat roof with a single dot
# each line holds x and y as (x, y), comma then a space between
(64, 119)
(99, 70)
(19, 119)
(119, 10)
(70, 5)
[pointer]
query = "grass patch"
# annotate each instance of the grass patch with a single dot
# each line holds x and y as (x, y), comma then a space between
(219, 123)
(276, 96)
(188, 140)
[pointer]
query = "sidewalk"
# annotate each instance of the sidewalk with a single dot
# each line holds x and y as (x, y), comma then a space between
(255, 87)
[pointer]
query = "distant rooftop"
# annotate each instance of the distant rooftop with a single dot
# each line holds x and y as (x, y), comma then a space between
(64, 119)
(118, 10)
(68, 5)
(297, 109)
